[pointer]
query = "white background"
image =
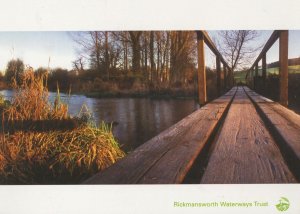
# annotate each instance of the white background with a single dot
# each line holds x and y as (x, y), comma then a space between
(149, 14)
(142, 199)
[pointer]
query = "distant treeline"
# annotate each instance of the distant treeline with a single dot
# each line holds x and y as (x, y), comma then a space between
(125, 62)
(294, 61)
(153, 59)
(156, 58)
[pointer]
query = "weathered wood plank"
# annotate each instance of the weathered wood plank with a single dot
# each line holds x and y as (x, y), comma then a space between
(244, 150)
(285, 121)
(176, 163)
(150, 162)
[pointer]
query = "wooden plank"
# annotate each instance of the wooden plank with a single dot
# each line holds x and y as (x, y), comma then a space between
(201, 69)
(285, 121)
(144, 165)
(244, 150)
(175, 164)
(283, 67)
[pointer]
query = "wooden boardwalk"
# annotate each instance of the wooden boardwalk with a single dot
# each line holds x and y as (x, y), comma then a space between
(241, 137)
(245, 151)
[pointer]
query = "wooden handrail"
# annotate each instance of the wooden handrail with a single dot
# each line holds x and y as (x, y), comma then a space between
(273, 38)
(213, 48)
(282, 35)
(203, 38)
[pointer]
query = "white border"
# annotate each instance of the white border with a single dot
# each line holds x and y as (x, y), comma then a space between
(143, 199)
(149, 14)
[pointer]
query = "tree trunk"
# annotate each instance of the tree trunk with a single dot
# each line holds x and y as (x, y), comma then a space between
(136, 51)
(158, 60)
(107, 63)
(146, 55)
(152, 64)
(97, 51)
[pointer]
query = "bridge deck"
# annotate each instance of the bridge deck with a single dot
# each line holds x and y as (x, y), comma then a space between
(240, 137)
(245, 151)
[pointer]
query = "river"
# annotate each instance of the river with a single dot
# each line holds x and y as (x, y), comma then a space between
(136, 119)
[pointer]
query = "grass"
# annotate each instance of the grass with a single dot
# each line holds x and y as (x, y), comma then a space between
(240, 76)
(50, 156)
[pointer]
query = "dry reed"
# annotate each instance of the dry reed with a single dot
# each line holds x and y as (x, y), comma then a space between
(50, 157)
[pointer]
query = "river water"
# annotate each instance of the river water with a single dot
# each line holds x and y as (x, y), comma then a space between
(136, 120)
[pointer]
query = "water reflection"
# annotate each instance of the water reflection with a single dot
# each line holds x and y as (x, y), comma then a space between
(137, 120)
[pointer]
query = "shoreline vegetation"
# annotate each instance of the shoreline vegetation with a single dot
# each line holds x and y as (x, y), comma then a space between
(35, 151)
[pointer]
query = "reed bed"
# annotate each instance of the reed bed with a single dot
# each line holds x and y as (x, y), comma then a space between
(51, 157)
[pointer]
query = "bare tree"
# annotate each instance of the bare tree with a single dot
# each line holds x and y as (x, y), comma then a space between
(181, 53)
(157, 57)
(136, 50)
(237, 47)
(78, 64)
(89, 47)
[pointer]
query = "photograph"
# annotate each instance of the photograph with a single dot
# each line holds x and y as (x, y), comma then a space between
(94, 107)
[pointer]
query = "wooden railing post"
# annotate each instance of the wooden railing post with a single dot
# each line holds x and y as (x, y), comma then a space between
(264, 67)
(225, 77)
(256, 70)
(252, 79)
(201, 69)
(230, 77)
(256, 75)
(283, 67)
(218, 68)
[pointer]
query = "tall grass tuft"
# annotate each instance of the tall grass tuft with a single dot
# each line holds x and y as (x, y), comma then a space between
(30, 101)
(50, 157)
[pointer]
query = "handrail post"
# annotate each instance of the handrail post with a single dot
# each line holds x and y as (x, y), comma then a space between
(201, 69)
(218, 68)
(264, 67)
(232, 78)
(256, 76)
(252, 79)
(225, 77)
(283, 67)
(256, 70)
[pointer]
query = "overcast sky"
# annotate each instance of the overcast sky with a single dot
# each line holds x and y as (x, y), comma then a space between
(35, 48)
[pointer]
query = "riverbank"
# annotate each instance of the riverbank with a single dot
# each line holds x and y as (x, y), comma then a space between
(165, 94)
(38, 144)
(132, 94)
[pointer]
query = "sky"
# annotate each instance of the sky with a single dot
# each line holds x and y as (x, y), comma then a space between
(264, 35)
(35, 48)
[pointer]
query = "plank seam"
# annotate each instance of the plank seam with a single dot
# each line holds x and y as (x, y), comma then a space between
(194, 175)
(290, 157)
